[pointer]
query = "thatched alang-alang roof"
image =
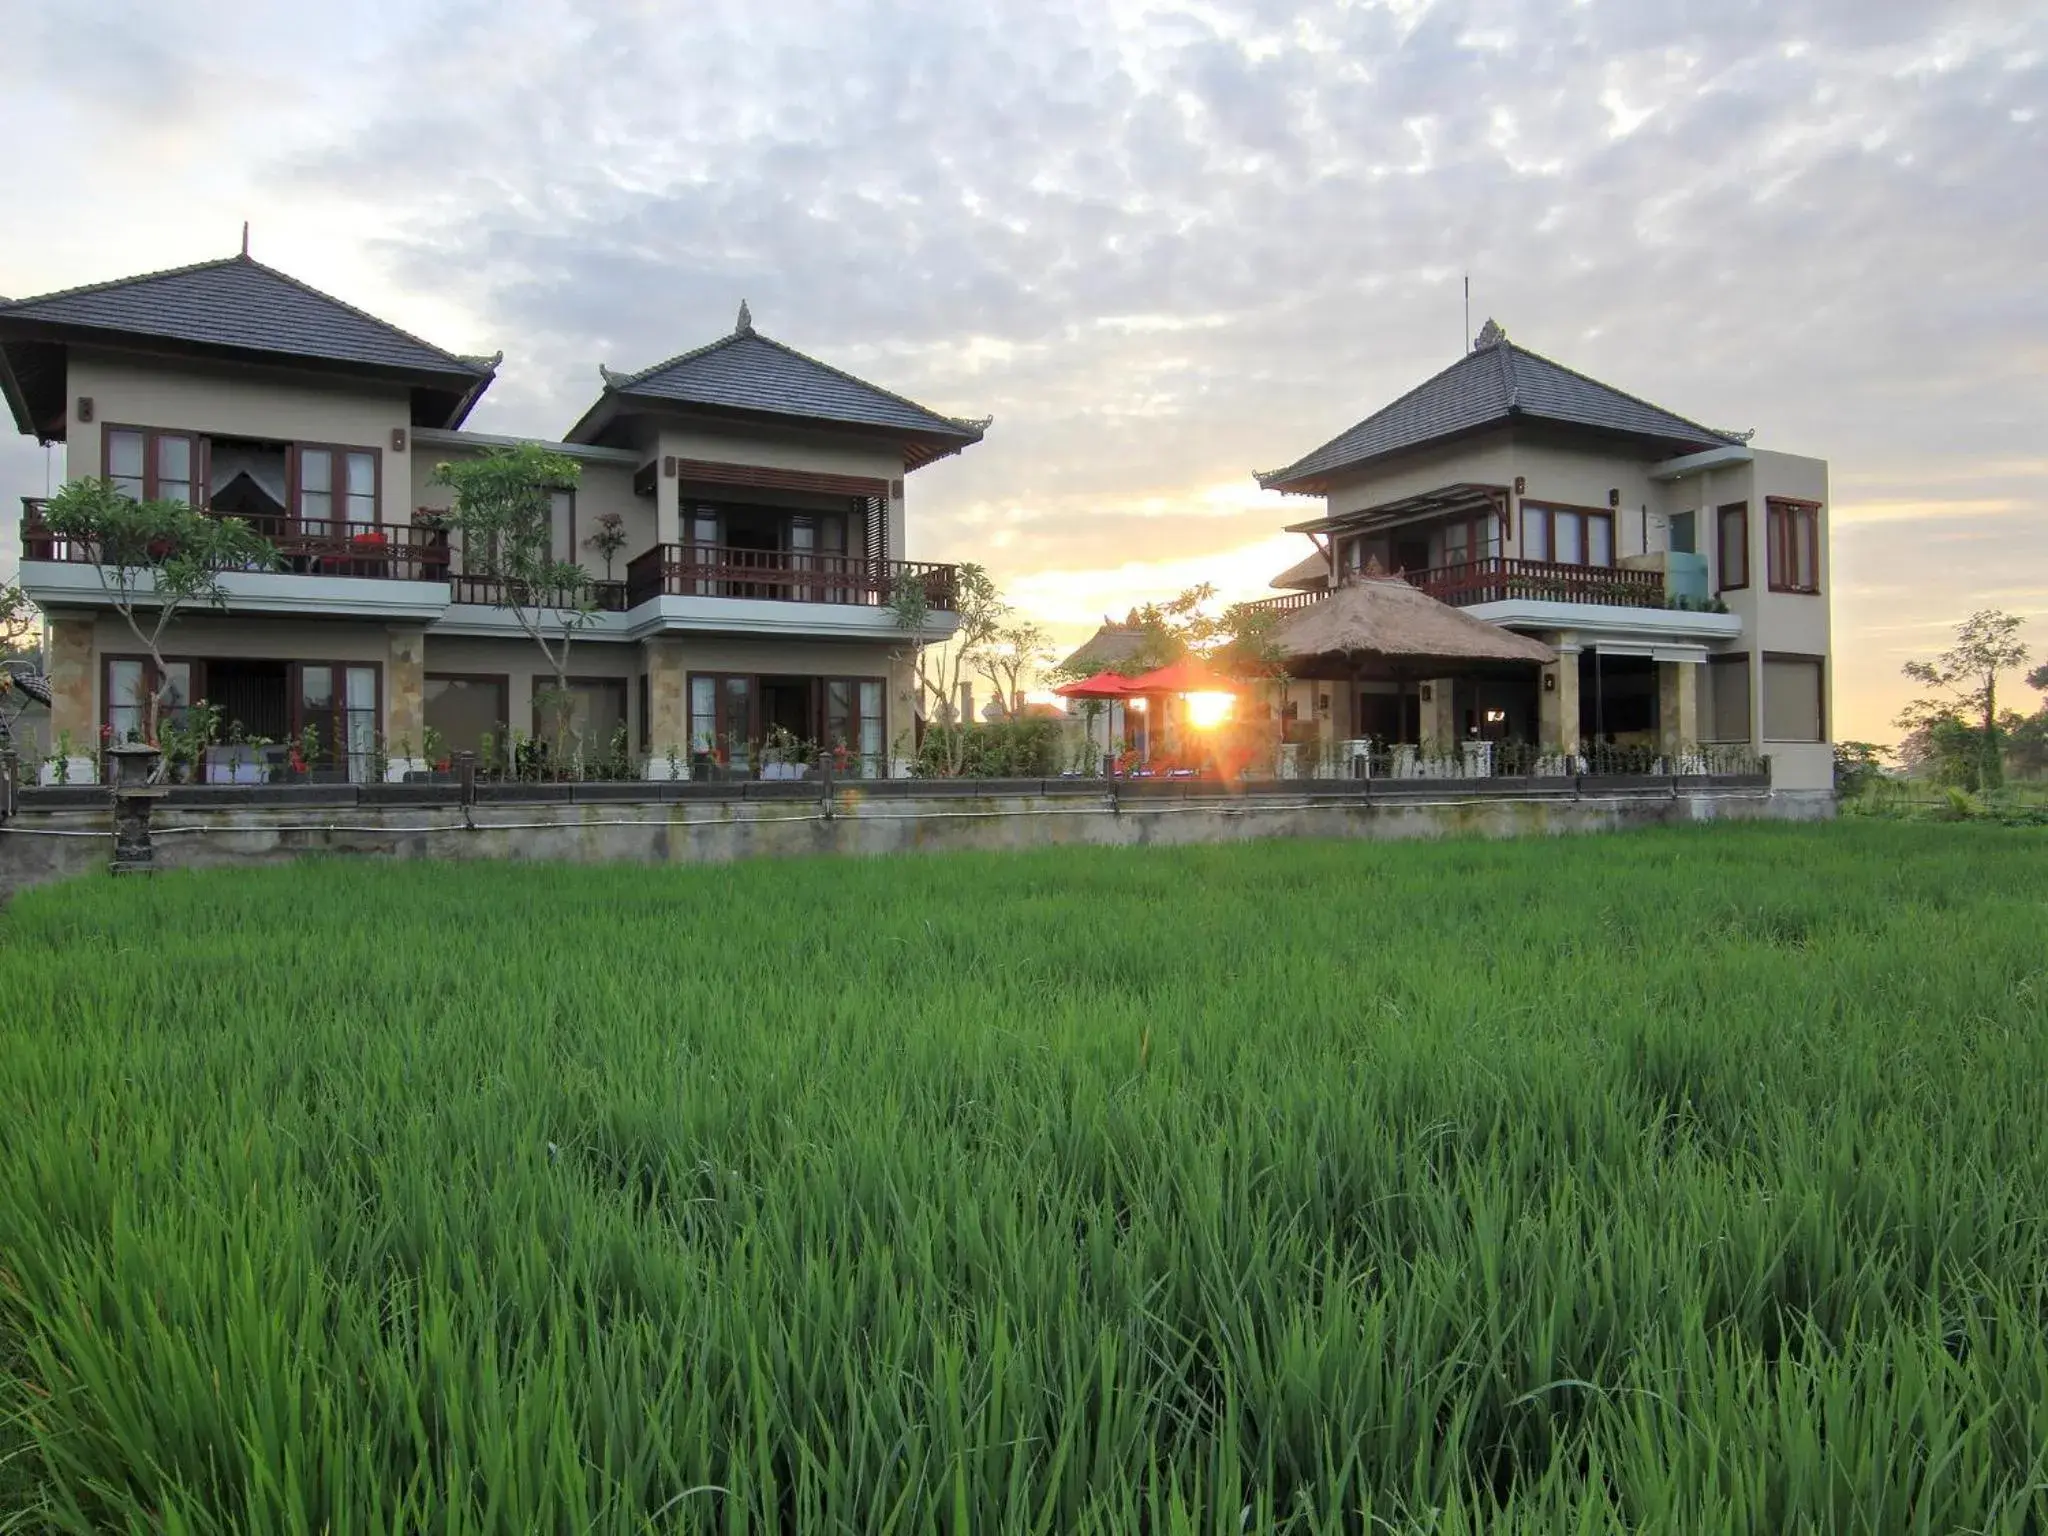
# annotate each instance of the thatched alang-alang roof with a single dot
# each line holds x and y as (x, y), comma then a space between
(1388, 620)
(1310, 575)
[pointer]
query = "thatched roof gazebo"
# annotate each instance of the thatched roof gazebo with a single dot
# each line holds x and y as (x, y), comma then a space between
(1107, 650)
(1383, 626)
(1309, 575)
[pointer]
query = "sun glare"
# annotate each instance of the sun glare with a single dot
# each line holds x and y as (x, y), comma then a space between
(1208, 710)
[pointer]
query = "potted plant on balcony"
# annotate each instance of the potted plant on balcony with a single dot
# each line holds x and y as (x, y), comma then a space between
(608, 539)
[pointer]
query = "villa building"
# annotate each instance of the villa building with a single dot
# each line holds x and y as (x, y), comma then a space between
(760, 494)
(1680, 573)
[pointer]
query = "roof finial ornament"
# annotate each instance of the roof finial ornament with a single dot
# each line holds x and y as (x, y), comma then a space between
(245, 239)
(1490, 335)
(744, 326)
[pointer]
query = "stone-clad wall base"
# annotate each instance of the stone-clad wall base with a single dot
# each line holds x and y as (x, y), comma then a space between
(716, 832)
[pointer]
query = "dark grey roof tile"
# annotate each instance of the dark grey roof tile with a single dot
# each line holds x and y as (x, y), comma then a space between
(238, 302)
(1499, 382)
(749, 371)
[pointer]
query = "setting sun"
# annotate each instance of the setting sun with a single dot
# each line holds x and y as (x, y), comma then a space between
(1209, 710)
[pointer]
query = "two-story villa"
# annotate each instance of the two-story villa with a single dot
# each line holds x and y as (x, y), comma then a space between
(760, 494)
(1680, 572)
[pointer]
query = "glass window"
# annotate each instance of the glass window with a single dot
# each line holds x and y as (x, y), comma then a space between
(360, 726)
(562, 525)
(1535, 533)
(125, 463)
(463, 710)
(362, 487)
(874, 762)
(1568, 542)
(1792, 698)
(174, 469)
(736, 719)
(316, 485)
(1726, 707)
(1684, 533)
(1599, 541)
(1732, 545)
(596, 712)
(126, 700)
(703, 713)
(1457, 543)
(1792, 544)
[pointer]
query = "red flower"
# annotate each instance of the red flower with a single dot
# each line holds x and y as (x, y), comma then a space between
(106, 733)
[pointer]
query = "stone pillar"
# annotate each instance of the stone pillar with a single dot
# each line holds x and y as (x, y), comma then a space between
(668, 710)
(1439, 716)
(1558, 703)
(405, 709)
(1678, 709)
(73, 691)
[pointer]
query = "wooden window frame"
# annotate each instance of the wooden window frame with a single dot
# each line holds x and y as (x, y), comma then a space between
(502, 681)
(195, 671)
(151, 479)
(819, 681)
(623, 684)
(1548, 511)
(1782, 516)
(1761, 701)
(295, 702)
(338, 452)
(1740, 509)
(853, 681)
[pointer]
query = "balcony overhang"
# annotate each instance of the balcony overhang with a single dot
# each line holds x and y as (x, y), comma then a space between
(1613, 628)
(775, 618)
(55, 584)
(1695, 463)
(1468, 498)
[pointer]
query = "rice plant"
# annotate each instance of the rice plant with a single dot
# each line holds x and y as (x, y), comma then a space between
(1681, 1181)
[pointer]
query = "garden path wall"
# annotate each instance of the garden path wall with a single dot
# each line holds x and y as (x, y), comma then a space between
(60, 833)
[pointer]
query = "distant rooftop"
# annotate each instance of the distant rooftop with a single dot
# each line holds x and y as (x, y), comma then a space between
(1496, 383)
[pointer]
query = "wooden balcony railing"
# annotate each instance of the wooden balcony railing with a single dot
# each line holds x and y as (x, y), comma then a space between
(305, 546)
(717, 570)
(1497, 580)
(489, 591)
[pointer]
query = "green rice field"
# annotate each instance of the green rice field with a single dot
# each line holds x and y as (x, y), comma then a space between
(1678, 1181)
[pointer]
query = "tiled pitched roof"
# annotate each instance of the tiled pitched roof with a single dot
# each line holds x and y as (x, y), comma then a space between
(1497, 383)
(751, 372)
(241, 303)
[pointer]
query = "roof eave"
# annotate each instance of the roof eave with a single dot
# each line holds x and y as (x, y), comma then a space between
(17, 402)
(460, 379)
(938, 443)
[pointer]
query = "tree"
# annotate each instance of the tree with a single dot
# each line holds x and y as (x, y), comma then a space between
(155, 560)
(1987, 643)
(18, 622)
(1013, 652)
(504, 505)
(18, 619)
(939, 666)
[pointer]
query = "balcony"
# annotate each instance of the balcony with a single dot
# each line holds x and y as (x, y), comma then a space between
(305, 547)
(1497, 580)
(785, 576)
(405, 572)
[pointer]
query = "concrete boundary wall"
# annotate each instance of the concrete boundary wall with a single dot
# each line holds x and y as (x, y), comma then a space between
(200, 829)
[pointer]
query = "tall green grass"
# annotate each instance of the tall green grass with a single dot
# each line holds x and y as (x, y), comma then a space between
(1687, 1181)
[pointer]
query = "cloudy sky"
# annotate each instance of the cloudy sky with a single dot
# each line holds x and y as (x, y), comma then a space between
(1164, 244)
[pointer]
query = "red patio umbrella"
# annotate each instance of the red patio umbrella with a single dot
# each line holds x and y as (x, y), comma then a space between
(1103, 685)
